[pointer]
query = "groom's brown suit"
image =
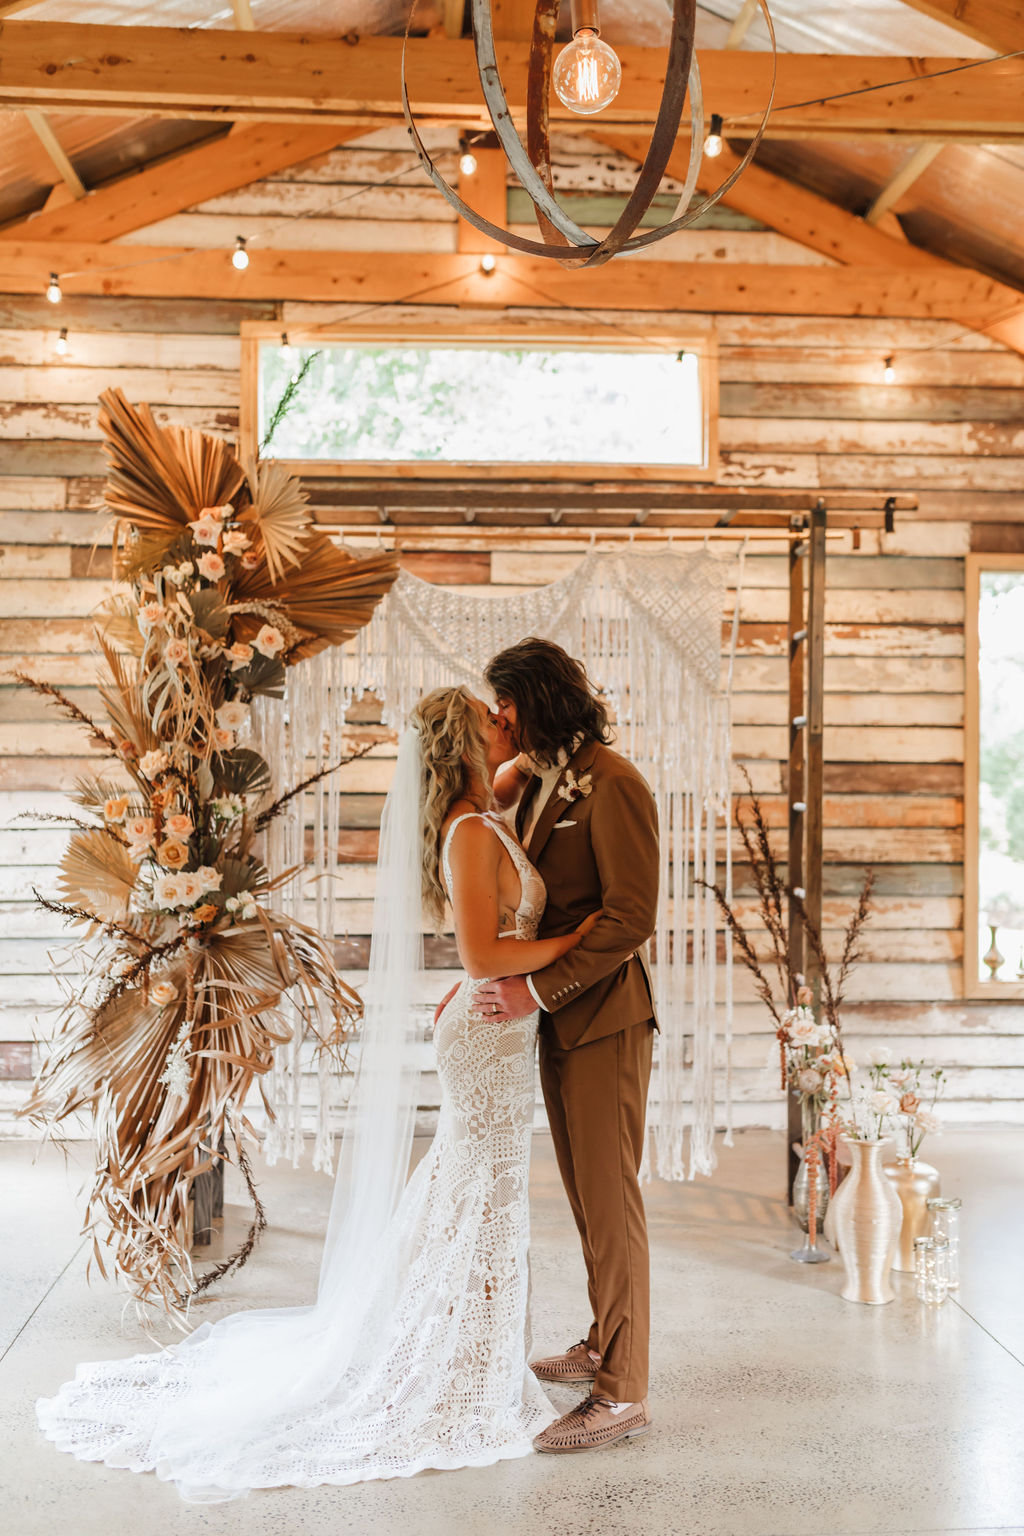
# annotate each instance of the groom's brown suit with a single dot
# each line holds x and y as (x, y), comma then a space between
(596, 1031)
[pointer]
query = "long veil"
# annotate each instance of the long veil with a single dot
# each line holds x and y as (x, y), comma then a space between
(240, 1396)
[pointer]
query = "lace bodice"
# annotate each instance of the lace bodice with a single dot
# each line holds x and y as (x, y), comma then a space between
(532, 892)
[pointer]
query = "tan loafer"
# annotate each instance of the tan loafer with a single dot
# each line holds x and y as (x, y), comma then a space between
(592, 1424)
(576, 1365)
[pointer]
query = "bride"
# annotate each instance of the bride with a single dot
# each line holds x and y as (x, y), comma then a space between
(414, 1354)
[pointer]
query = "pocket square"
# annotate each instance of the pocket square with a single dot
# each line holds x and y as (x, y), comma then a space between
(569, 823)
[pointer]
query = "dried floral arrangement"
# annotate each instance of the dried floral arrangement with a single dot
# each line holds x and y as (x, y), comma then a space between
(813, 1063)
(185, 962)
(900, 1099)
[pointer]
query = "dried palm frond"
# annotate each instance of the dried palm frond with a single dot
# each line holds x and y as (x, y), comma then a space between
(329, 597)
(161, 478)
(97, 874)
(277, 518)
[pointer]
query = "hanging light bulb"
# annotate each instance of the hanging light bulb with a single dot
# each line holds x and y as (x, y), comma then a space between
(240, 256)
(61, 344)
(488, 263)
(467, 159)
(587, 73)
(889, 372)
(53, 292)
(713, 142)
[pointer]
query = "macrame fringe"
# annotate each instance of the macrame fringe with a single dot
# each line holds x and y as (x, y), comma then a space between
(648, 628)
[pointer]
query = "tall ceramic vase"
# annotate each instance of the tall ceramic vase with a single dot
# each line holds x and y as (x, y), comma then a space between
(867, 1216)
(915, 1183)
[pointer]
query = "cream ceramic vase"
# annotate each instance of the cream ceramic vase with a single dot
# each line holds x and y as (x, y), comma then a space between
(867, 1215)
(915, 1183)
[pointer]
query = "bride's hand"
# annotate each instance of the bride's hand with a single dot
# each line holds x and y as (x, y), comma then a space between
(588, 922)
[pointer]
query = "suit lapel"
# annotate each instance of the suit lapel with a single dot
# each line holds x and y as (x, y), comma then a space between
(579, 763)
(525, 801)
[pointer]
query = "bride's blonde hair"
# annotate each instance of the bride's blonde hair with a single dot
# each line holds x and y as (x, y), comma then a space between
(453, 752)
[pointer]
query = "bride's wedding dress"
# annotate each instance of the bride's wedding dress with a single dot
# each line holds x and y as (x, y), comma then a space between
(437, 1375)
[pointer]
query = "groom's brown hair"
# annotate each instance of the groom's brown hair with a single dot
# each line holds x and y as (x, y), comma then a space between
(555, 703)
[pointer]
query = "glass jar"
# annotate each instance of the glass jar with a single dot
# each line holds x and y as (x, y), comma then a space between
(945, 1223)
(930, 1271)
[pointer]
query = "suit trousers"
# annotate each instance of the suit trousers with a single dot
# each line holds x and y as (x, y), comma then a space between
(596, 1098)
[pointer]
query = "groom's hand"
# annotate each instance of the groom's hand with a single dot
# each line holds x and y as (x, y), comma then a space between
(507, 998)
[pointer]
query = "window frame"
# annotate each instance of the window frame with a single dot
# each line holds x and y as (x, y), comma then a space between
(702, 340)
(975, 564)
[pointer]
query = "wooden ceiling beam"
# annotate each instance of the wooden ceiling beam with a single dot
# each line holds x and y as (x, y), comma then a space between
(55, 151)
(383, 277)
(814, 222)
(248, 153)
(202, 73)
(741, 26)
(997, 24)
(902, 182)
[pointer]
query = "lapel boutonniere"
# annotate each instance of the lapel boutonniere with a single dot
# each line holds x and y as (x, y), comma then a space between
(575, 788)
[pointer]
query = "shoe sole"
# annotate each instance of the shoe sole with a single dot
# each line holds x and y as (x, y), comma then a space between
(601, 1445)
(566, 1381)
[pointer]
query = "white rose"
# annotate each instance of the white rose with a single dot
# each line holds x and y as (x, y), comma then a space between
(803, 1028)
(167, 890)
(232, 716)
(234, 541)
(270, 641)
(208, 877)
(152, 763)
(211, 566)
(927, 1122)
(879, 1056)
(205, 531)
(191, 887)
(881, 1102)
(162, 993)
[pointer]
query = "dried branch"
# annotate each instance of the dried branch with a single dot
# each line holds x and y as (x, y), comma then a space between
(67, 707)
(264, 818)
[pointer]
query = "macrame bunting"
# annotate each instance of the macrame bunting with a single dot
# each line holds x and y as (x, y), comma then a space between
(648, 627)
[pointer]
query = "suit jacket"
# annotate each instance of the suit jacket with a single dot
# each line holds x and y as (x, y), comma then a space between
(599, 850)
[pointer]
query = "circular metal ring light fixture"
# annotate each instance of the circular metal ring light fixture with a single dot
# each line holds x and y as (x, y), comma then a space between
(563, 239)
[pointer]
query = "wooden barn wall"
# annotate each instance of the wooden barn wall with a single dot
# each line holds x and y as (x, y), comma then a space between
(802, 406)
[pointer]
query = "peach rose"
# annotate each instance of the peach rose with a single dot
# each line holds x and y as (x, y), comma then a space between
(139, 831)
(250, 560)
(211, 566)
(175, 652)
(232, 716)
(167, 890)
(223, 740)
(154, 762)
(208, 877)
(234, 542)
(205, 530)
(238, 654)
(152, 615)
(127, 749)
(180, 825)
(909, 1104)
(172, 854)
(204, 914)
(115, 809)
(269, 641)
(218, 513)
(191, 887)
(162, 993)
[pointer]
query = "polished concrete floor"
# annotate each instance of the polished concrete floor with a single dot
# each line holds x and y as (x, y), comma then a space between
(780, 1409)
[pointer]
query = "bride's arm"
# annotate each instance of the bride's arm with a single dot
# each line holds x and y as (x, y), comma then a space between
(475, 857)
(509, 782)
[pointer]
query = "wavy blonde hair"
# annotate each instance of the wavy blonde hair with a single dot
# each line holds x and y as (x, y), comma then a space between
(452, 752)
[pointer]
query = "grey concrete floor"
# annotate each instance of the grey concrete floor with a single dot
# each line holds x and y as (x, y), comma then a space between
(780, 1410)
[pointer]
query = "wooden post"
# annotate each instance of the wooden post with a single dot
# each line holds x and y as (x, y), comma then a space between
(795, 786)
(813, 832)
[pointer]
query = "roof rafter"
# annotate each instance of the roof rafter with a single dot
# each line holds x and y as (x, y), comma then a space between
(259, 76)
(813, 221)
(998, 24)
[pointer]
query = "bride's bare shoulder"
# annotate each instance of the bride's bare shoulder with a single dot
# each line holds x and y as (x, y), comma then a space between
(463, 808)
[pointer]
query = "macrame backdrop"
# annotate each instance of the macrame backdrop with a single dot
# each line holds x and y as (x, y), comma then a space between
(648, 627)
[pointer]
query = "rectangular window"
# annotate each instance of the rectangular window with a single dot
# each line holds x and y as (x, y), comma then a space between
(994, 811)
(439, 406)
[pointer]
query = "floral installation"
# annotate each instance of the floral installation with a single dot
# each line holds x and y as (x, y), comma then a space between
(812, 1061)
(225, 583)
(574, 788)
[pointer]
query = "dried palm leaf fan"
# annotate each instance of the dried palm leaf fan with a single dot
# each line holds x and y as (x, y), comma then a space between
(532, 162)
(178, 1005)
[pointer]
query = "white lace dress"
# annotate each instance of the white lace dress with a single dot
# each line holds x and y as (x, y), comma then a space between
(440, 1376)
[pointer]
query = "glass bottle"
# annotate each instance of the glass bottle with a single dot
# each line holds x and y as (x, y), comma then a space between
(945, 1215)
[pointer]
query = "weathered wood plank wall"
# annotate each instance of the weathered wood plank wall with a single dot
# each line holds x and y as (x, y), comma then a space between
(802, 405)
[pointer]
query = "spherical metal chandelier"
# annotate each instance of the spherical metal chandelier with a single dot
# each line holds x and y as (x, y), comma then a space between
(586, 79)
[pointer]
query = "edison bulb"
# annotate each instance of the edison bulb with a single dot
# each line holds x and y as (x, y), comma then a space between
(53, 292)
(61, 344)
(240, 256)
(467, 164)
(587, 74)
(889, 372)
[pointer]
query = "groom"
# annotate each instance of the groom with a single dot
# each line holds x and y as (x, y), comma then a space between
(588, 822)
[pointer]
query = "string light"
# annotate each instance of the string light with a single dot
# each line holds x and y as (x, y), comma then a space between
(53, 292)
(889, 372)
(488, 263)
(467, 163)
(240, 256)
(61, 344)
(713, 142)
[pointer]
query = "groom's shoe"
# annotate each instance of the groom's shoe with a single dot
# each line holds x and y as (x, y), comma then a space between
(595, 1422)
(576, 1365)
